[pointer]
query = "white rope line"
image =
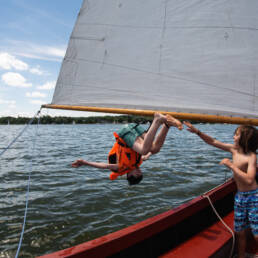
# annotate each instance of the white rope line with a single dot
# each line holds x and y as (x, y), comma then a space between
(28, 191)
(215, 187)
(16, 138)
(228, 228)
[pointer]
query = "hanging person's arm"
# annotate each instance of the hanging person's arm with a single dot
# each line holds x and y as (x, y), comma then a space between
(145, 157)
(101, 165)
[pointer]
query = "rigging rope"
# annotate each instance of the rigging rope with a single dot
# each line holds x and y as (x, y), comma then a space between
(227, 227)
(28, 189)
(20, 134)
(30, 170)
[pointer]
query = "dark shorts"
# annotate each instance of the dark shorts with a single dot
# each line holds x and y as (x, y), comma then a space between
(246, 211)
(130, 132)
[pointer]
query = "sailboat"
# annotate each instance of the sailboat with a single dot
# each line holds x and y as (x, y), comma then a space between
(192, 59)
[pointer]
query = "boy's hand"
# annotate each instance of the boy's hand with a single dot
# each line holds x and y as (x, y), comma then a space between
(78, 163)
(145, 157)
(190, 128)
(226, 162)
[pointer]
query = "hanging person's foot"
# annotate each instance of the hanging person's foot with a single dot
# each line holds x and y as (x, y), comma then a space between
(171, 121)
(160, 118)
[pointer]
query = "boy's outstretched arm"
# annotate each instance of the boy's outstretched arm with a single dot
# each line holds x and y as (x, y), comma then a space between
(208, 139)
(81, 162)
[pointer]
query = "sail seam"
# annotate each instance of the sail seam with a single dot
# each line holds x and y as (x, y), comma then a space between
(165, 75)
(162, 36)
(88, 38)
(171, 27)
(254, 92)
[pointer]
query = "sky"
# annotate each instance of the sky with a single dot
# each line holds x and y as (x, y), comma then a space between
(34, 37)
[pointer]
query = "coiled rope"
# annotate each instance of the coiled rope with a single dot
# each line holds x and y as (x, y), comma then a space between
(30, 170)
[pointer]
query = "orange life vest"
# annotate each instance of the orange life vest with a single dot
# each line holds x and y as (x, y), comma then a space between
(127, 158)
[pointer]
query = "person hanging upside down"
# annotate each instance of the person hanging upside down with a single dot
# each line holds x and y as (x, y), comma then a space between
(134, 145)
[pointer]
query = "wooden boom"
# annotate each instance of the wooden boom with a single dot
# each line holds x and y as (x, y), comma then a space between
(182, 116)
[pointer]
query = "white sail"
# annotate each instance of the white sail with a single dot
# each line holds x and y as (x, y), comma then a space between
(172, 55)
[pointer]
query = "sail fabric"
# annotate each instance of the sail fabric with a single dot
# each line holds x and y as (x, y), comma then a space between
(197, 56)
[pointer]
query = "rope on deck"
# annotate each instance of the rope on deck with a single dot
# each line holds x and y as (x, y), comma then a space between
(227, 227)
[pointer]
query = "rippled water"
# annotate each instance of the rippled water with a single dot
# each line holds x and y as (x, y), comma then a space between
(68, 206)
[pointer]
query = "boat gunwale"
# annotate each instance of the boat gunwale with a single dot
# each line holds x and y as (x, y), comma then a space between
(119, 240)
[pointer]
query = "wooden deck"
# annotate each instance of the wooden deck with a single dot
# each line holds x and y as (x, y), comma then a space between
(206, 243)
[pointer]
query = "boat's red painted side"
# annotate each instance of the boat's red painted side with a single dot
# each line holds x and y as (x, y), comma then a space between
(206, 243)
(114, 243)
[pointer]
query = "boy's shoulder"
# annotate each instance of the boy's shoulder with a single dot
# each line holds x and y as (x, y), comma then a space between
(253, 157)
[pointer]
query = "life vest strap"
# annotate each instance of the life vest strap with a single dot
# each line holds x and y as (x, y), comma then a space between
(120, 141)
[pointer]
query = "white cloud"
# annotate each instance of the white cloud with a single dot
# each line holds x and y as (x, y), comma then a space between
(7, 62)
(37, 102)
(36, 70)
(15, 112)
(15, 80)
(9, 104)
(53, 51)
(47, 86)
(35, 94)
(36, 51)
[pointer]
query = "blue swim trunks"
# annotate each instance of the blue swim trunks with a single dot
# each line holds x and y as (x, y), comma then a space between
(246, 211)
(130, 132)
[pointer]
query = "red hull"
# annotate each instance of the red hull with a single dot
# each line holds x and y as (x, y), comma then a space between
(171, 234)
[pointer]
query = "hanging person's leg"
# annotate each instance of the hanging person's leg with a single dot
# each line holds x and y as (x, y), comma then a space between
(143, 145)
(160, 139)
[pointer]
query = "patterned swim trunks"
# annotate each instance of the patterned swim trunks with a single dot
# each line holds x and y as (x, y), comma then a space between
(246, 211)
(130, 132)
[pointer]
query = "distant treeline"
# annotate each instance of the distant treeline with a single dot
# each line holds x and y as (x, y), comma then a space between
(76, 120)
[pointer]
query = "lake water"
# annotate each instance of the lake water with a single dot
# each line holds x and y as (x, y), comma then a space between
(68, 206)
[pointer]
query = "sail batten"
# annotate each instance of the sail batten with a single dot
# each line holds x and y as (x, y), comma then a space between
(187, 56)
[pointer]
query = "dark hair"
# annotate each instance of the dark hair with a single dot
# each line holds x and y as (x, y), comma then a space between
(248, 140)
(133, 180)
